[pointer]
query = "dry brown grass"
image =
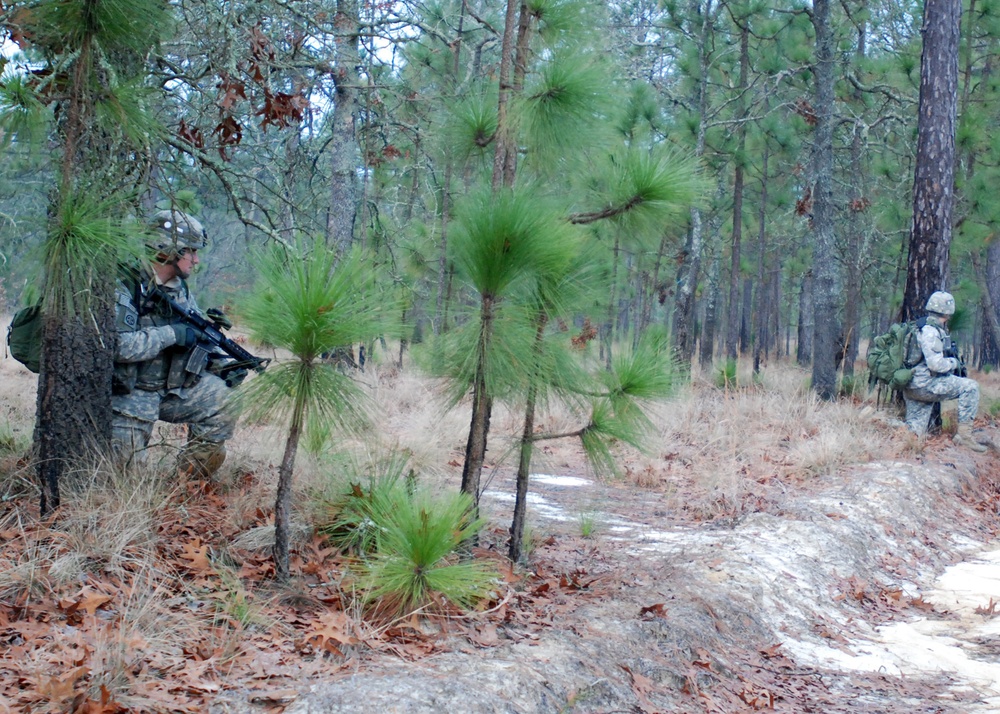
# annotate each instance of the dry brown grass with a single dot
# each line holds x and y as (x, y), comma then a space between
(722, 452)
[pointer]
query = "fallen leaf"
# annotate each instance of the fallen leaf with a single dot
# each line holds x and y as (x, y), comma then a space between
(278, 696)
(657, 610)
(60, 688)
(485, 636)
(92, 601)
(988, 611)
(332, 628)
(642, 687)
(197, 556)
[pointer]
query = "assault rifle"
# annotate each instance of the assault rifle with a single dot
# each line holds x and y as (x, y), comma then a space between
(211, 336)
(952, 351)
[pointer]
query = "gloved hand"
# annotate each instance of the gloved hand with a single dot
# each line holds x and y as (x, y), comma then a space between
(234, 377)
(216, 315)
(186, 336)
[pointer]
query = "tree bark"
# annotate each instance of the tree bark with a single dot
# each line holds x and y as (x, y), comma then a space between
(760, 320)
(733, 326)
(344, 152)
(707, 347)
(73, 404)
(682, 331)
(527, 445)
(482, 407)
(934, 173)
(825, 332)
(804, 349)
(283, 500)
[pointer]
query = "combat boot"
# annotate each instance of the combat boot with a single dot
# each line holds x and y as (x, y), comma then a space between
(963, 437)
(201, 459)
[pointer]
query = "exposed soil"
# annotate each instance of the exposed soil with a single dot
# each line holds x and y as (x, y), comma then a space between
(782, 611)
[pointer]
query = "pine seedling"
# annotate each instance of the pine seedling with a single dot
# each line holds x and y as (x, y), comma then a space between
(416, 562)
(309, 305)
(345, 514)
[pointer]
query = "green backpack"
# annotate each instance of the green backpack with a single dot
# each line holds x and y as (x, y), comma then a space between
(24, 337)
(893, 355)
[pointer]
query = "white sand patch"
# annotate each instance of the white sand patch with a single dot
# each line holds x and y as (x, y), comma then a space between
(537, 505)
(550, 480)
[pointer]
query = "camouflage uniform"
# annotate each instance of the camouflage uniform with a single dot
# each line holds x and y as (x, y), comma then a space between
(933, 380)
(154, 379)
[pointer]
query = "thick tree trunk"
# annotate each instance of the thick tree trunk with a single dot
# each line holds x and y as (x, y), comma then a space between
(988, 291)
(73, 403)
(934, 173)
(344, 153)
(825, 331)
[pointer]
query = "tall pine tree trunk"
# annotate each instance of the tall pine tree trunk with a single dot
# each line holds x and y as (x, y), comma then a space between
(934, 173)
(760, 312)
(804, 349)
(690, 260)
(344, 152)
(503, 176)
(733, 326)
(825, 331)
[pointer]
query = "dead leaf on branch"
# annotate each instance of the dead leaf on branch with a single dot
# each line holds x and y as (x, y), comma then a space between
(282, 109)
(231, 90)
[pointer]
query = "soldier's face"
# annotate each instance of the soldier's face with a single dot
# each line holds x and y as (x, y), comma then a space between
(186, 262)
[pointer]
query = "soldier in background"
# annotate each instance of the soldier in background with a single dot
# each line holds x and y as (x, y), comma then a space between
(161, 370)
(935, 378)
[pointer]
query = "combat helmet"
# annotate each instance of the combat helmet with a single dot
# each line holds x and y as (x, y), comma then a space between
(172, 231)
(941, 303)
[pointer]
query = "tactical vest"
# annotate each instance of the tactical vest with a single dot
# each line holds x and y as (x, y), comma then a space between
(135, 310)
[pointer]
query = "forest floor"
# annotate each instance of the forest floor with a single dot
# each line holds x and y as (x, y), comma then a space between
(770, 553)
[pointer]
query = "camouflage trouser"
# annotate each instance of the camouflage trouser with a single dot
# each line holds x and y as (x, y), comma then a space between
(201, 407)
(920, 400)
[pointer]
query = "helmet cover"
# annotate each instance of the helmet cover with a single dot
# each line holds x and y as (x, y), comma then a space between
(941, 303)
(174, 231)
